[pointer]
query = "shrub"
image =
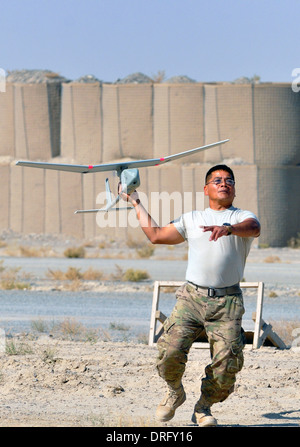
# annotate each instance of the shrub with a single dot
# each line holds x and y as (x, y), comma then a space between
(74, 252)
(146, 251)
(294, 242)
(135, 275)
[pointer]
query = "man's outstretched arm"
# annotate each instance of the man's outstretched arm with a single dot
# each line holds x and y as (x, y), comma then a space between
(157, 235)
(247, 228)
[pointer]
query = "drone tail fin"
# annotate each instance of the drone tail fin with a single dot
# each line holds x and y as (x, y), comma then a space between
(108, 193)
(109, 202)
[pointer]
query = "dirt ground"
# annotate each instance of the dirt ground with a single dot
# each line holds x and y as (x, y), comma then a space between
(61, 383)
(104, 384)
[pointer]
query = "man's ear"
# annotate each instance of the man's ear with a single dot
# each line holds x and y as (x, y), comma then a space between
(205, 190)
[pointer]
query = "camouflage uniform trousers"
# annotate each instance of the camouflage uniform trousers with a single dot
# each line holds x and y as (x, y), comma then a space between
(221, 318)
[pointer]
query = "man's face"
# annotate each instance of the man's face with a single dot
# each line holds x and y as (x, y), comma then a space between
(219, 189)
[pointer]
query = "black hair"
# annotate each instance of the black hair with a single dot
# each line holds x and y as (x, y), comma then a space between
(218, 168)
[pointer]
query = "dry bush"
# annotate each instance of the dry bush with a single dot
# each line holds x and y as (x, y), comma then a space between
(74, 252)
(272, 259)
(146, 251)
(135, 275)
(92, 275)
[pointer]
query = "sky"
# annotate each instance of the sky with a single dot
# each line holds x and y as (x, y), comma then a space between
(208, 41)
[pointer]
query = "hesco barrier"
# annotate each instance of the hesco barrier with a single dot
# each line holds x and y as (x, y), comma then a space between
(278, 203)
(276, 110)
(30, 121)
(178, 119)
(229, 111)
(81, 122)
(97, 123)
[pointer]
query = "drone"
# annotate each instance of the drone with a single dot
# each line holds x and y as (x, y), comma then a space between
(127, 171)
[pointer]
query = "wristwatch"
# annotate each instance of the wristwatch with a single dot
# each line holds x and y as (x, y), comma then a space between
(229, 228)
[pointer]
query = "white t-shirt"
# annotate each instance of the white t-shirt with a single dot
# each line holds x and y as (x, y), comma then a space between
(218, 263)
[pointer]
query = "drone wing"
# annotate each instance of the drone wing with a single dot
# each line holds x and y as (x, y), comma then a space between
(84, 169)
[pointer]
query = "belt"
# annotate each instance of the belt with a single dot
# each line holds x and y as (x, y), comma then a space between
(217, 292)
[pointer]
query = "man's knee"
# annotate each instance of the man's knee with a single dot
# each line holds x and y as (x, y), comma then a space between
(171, 363)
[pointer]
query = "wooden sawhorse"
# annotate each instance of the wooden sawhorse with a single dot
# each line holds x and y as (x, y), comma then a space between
(262, 330)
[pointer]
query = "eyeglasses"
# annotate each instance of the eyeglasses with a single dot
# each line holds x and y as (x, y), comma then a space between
(218, 181)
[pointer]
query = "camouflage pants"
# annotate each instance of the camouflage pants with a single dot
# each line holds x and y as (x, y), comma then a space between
(221, 318)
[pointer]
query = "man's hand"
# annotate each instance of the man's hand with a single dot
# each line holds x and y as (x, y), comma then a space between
(216, 231)
(133, 198)
(248, 228)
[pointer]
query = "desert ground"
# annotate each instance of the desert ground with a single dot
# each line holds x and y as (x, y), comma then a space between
(50, 381)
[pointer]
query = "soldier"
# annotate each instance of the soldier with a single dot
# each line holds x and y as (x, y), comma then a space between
(219, 241)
